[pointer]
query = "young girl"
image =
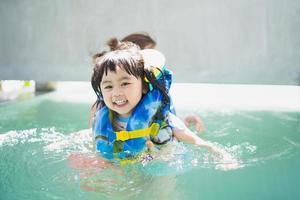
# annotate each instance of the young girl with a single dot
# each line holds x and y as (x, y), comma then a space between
(134, 115)
(145, 41)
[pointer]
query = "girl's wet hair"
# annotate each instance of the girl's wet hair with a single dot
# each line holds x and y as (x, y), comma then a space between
(123, 55)
(127, 56)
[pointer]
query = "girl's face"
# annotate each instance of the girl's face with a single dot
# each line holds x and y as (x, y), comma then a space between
(121, 91)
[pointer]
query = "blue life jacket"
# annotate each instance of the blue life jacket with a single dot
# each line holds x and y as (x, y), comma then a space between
(142, 123)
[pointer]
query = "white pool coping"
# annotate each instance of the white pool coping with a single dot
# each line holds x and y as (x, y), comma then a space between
(191, 96)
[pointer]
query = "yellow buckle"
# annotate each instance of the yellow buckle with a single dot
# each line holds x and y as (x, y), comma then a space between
(126, 135)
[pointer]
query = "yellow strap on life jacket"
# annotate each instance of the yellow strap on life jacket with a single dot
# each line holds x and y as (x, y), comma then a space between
(126, 135)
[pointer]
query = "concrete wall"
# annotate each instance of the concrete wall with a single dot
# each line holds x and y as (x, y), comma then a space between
(208, 41)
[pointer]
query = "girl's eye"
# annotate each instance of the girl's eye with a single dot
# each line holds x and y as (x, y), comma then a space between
(125, 84)
(107, 87)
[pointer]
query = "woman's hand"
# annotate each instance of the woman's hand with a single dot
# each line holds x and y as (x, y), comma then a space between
(194, 120)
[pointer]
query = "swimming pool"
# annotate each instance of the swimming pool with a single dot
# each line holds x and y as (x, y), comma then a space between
(258, 125)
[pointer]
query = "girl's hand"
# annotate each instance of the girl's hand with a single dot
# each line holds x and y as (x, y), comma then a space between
(149, 145)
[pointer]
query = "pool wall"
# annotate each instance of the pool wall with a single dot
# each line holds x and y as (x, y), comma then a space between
(232, 41)
(193, 97)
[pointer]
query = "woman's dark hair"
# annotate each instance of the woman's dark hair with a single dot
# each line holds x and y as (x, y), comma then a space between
(143, 40)
(127, 56)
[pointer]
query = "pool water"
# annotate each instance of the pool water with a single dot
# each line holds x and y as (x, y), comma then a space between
(38, 135)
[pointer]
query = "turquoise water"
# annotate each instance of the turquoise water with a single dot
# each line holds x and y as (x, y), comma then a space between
(37, 137)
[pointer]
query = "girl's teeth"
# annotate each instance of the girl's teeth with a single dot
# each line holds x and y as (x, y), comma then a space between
(119, 102)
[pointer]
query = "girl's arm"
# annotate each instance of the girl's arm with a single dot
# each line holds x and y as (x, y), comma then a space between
(182, 133)
(188, 136)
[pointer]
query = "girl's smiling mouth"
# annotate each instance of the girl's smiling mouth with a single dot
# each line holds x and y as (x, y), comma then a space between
(119, 102)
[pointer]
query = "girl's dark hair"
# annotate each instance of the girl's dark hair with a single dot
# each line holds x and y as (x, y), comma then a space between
(98, 56)
(127, 56)
(143, 40)
(162, 87)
